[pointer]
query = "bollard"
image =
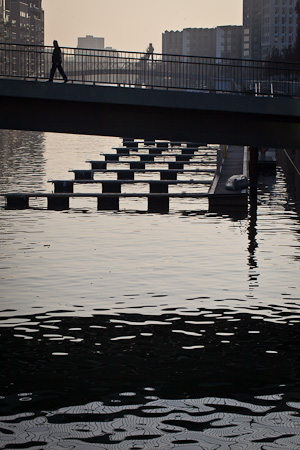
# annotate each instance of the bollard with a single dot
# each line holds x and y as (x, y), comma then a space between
(158, 204)
(108, 203)
(17, 202)
(111, 187)
(156, 187)
(58, 203)
(63, 186)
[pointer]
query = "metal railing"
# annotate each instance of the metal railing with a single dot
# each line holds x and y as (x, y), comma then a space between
(161, 71)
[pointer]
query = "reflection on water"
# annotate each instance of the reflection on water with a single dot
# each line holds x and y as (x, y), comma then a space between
(22, 161)
(129, 330)
(210, 379)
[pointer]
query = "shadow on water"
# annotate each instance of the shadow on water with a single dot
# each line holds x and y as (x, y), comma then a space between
(151, 380)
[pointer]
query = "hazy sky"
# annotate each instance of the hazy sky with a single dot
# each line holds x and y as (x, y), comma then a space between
(132, 24)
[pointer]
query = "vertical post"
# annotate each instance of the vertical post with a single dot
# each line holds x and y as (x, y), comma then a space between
(253, 166)
(158, 204)
(219, 160)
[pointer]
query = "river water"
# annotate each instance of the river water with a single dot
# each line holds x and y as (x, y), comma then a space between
(131, 330)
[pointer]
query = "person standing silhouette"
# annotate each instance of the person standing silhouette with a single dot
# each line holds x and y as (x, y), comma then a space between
(56, 63)
(150, 51)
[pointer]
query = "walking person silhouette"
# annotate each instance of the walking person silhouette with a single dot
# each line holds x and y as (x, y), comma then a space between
(56, 63)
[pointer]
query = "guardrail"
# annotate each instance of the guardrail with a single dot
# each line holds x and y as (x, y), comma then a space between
(164, 71)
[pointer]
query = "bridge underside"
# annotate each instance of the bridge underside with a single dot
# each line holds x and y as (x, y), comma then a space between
(150, 113)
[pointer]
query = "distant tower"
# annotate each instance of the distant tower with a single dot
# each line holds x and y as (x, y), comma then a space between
(252, 24)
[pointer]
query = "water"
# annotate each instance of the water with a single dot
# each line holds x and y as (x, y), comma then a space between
(129, 330)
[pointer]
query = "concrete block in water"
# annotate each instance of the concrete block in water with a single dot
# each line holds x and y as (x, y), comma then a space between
(83, 175)
(137, 165)
(147, 157)
(162, 144)
(158, 204)
(125, 175)
(111, 187)
(168, 175)
(58, 203)
(112, 157)
(63, 186)
(108, 203)
(183, 157)
(17, 202)
(175, 165)
(99, 164)
(158, 187)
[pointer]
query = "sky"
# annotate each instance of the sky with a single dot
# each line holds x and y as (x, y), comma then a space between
(130, 25)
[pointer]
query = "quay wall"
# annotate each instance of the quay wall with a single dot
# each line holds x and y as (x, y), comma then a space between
(289, 161)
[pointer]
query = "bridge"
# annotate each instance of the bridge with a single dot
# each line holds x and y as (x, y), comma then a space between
(181, 98)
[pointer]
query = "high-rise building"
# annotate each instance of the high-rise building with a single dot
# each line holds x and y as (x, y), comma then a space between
(29, 17)
(252, 19)
(91, 42)
(5, 22)
(269, 26)
(26, 22)
(172, 42)
(279, 26)
(222, 42)
(199, 41)
(229, 41)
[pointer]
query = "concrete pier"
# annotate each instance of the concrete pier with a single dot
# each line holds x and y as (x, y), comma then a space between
(235, 162)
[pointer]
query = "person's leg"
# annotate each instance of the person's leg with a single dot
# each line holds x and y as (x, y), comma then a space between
(52, 72)
(61, 71)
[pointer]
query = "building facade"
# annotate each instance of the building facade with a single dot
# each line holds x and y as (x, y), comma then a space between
(229, 41)
(5, 22)
(199, 41)
(222, 42)
(91, 42)
(279, 26)
(172, 43)
(269, 27)
(27, 22)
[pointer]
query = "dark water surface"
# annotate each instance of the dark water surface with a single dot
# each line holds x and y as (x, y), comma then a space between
(131, 330)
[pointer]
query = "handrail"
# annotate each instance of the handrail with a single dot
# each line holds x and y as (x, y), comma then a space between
(156, 70)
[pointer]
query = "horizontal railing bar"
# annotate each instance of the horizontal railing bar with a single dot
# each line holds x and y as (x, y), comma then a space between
(109, 194)
(142, 170)
(132, 181)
